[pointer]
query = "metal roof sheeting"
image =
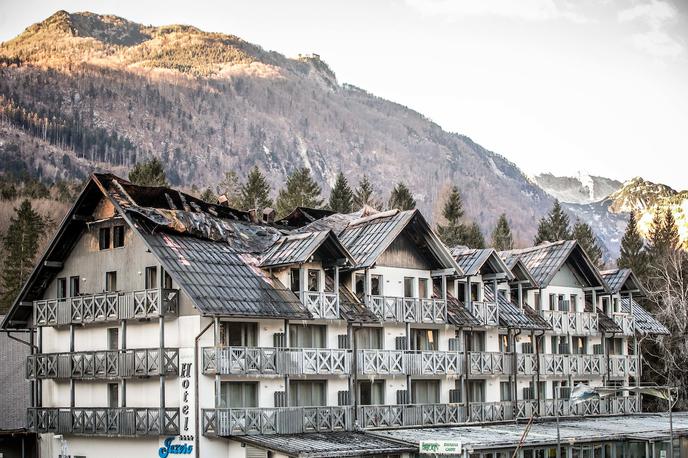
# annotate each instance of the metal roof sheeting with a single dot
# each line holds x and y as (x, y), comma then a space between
(293, 249)
(457, 314)
(645, 323)
(472, 260)
(221, 281)
(511, 316)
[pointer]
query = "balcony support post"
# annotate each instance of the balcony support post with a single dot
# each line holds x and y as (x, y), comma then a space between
(594, 300)
(408, 375)
(39, 385)
(468, 299)
(287, 387)
(161, 364)
(216, 342)
(71, 379)
(368, 283)
(444, 288)
(123, 333)
(303, 284)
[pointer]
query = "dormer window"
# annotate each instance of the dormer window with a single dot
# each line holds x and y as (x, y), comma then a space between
(61, 288)
(313, 280)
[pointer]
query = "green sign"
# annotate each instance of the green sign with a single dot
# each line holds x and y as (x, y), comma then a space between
(439, 447)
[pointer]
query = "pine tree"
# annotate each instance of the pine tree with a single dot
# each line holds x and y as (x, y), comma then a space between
(365, 195)
(401, 198)
(663, 238)
(453, 233)
(149, 173)
(208, 196)
(501, 236)
(255, 193)
(341, 197)
(231, 189)
(583, 234)
(20, 245)
(554, 226)
(300, 191)
(472, 236)
(633, 254)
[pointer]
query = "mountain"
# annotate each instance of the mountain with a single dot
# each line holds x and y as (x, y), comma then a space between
(84, 91)
(609, 217)
(579, 189)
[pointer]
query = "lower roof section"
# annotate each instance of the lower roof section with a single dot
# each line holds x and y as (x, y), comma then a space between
(330, 444)
(542, 433)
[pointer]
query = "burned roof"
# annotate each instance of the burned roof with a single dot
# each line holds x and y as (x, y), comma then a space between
(511, 316)
(350, 308)
(476, 261)
(623, 280)
(221, 281)
(299, 248)
(301, 216)
(545, 260)
(645, 323)
(328, 444)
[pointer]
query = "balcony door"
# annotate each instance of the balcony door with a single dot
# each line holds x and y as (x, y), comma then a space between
(424, 340)
(476, 391)
(240, 334)
(425, 391)
(409, 287)
(238, 394)
(475, 340)
(369, 339)
(307, 393)
(151, 281)
(371, 392)
(307, 336)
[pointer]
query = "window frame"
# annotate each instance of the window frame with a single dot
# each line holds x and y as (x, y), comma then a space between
(118, 233)
(104, 238)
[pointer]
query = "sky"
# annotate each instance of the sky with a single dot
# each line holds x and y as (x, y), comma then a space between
(560, 86)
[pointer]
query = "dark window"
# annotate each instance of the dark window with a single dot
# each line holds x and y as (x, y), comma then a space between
(408, 287)
(580, 345)
(475, 340)
(424, 339)
(461, 291)
(476, 390)
(306, 336)
(371, 392)
(307, 393)
(104, 238)
(536, 298)
(313, 280)
(110, 281)
(239, 394)
(375, 285)
(295, 280)
(113, 338)
(475, 295)
(425, 391)
(166, 280)
(240, 334)
(113, 395)
(74, 286)
(369, 338)
(504, 343)
(504, 391)
(151, 277)
(423, 291)
(118, 236)
(61, 288)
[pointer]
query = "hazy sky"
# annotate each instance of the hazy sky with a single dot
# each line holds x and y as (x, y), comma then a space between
(561, 86)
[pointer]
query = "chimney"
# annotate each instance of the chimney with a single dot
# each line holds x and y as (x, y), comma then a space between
(222, 200)
(253, 215)
(269, 215)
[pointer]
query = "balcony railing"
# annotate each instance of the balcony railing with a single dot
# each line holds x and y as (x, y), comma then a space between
(104, 364)
(620, 405)
(623, 365)
(626, 322)
(278, 420)
(322, 305)
(555, 364)
(102, 307)
(275, 361)
(489, 363)
(486, 312)
(577, 323)
(526, 363)
(482, 412)
(411, 362)
(408, 309)
(104, 421)
(391, 416)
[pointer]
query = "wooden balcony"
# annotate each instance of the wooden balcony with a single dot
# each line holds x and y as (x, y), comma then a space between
(104, 307)
(526, 363)
(275, 361)
(576, 323)
(626, 322)
(408, 309)
(564, 365)
(277, 420)
(483, 412)
(618, 405)
(91, 421)
(489, 363)
(623, 365)
(403, 362)
(486, 312)
(398, 415)
(106, 364)
(322, 305)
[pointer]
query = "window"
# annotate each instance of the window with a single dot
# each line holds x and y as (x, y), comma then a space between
(166, 280)
(295, 280)
(476, 390)
(118, 236)
(61, 288)
(475, 340)
(504, 343)
(104, 238)
(375, 285)
(605, 306)
(369, 338)
(371, 392)
(504, 391)
(616, 305)
(580, 346)
(240, 334)
(552, 301)
(313, 280)
(563, 303)
(423, 291)
(424, 339)
(560, 345)
(307, 393)
(475, 291)
(113, 338)
(110, 281)
(425, 391)
(409, 290)
(461, 291)
(151, 277)
(113, 395)
(306, 336)
(615, 346)
(574, 302)
(73, 286)
(536, 299)
(238, 394)
(560, 389)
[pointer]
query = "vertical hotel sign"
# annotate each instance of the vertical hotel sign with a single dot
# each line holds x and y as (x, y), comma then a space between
(184, 443)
